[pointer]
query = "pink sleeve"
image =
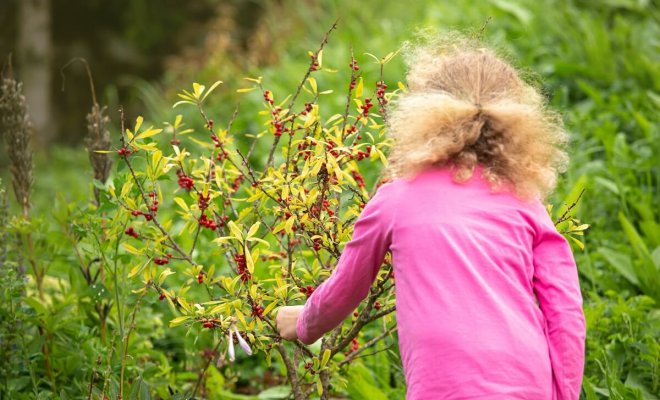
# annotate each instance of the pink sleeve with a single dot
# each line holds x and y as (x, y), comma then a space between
(558, 291)
(356, 270)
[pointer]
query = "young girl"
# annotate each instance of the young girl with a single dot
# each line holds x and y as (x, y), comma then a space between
(487, 294)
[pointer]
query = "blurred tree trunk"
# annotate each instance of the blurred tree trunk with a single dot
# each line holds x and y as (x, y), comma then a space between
(35, 52)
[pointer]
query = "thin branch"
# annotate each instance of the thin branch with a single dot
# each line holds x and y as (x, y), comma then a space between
(565, 215)
(201, 375)
(352, 356)
(324, 41)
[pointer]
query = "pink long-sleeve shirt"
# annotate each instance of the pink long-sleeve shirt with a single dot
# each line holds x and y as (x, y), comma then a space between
(487, 294)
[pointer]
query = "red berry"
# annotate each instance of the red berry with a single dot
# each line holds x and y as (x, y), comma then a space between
(161, 260)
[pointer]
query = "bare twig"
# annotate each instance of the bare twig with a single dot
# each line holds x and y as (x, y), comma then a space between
(566, 214)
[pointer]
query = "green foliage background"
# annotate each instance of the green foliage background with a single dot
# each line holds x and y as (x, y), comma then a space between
(598, 64)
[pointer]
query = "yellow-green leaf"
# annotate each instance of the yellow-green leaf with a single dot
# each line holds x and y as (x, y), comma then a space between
(135, 270)
(198, 89)
(208, 92)
(235, 230)
(131, 249)
(359, 88)
(181, 203)
(179, 321)
(248, 260)
(245, 90)
(178, 103)
(269, 308)
(138, 123)
(253, 229)
(148, 133)
(325, 358)
(312, 84)
(164, 275)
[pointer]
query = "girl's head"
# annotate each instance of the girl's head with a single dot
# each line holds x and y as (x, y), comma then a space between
(467, 106)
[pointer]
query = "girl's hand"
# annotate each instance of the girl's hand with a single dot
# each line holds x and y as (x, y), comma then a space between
(287, 317)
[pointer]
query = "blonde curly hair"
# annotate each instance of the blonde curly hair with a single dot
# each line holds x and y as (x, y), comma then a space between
(466, 106)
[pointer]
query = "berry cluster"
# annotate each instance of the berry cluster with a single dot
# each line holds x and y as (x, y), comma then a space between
(277, 122)
(200, 278)
(216, 140)
(366, 106)
(308, 290)
(268, 97)
(358, 178)
(207, 222)
(355, 345)
(154, 205)
(257, 311)
(354, 65)
(237, 182)
(223, 155)
(308, 108)
(203, 202)
(208, 323)
(351, 86)
(185, 182)
(147, 216)
(351, 129)
(131, 232)
(308, 366)
(315, 63)
(364, 154)
(377, 305)
(124, 151)
(330, 147)
(380, 95)
(162, 296)
(162, 260)
(314, 212)
(303, 147)
(317, 244)
(241, 264)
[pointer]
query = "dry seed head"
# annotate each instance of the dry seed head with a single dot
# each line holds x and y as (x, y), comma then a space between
(17, 131)
(98, 139)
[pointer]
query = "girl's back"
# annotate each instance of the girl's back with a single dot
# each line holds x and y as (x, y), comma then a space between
(469, 324)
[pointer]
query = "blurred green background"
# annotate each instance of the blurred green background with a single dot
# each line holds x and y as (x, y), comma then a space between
(596, 61)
